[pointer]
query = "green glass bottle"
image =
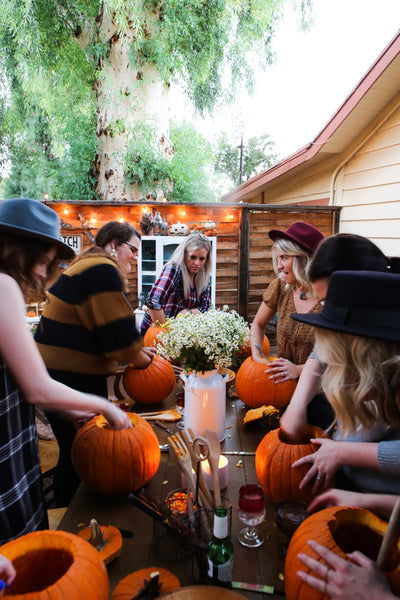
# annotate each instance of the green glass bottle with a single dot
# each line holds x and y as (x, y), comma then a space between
(220, 551)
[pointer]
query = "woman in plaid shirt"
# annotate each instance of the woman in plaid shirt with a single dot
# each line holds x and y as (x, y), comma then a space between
(184, 284)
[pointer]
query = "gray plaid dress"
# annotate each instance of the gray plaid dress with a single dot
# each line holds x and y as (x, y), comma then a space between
(21, 495)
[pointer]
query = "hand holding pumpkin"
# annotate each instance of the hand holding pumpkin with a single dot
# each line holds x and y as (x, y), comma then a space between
(342, 579)
(324, 464)
(283, 370)
(7, 572)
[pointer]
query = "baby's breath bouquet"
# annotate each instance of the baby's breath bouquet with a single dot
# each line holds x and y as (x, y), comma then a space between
(206, 341)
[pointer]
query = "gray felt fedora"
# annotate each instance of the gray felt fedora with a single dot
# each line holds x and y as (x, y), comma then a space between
(364, 303)
(33, 219)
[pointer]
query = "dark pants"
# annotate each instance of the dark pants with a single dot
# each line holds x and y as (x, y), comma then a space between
(65, 480)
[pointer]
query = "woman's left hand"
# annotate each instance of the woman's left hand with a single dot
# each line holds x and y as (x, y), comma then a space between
(324, 464)
(282, 370)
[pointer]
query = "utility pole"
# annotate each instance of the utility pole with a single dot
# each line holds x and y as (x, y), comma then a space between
(241, 147)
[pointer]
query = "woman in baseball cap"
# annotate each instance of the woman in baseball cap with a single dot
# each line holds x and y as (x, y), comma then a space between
(290, 292)
(30, 248)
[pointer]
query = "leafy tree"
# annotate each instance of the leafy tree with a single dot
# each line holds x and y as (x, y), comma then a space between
(258, 154)
(94, 69)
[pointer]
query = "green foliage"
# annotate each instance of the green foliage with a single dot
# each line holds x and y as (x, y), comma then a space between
(183, 178)
(192, 154)
(51, 82)
(258, 155)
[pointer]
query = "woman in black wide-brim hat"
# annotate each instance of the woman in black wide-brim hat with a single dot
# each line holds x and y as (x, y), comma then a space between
(30, 249)
(289, 292)
(358, 339)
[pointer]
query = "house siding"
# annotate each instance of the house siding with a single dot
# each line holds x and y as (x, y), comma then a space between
(368, 189)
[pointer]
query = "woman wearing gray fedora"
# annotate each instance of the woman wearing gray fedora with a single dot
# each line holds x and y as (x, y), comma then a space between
(289, 292)
(358, 339)
(30, 248)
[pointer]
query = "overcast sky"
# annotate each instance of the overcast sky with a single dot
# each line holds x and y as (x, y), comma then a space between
(313, 73)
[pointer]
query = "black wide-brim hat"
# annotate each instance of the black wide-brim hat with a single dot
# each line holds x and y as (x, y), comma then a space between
(363, 303)
(33, 219)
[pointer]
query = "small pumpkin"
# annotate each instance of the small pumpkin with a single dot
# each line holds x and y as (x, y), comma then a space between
(130, 585)
(115, 461)
(55, 564)
(150, 385)
(150, 337)
(255, 388)
(107, 540)
(274, 458)
(342, 530)
(245, 350)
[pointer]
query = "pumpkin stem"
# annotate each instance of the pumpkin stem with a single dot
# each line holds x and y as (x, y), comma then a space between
(96, 537)
(151, 588)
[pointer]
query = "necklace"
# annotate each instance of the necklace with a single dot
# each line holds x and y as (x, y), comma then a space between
(302, 295)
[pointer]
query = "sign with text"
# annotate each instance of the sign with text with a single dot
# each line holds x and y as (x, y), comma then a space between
(74, 242)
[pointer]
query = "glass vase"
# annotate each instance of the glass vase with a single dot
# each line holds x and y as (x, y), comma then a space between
(205, 402)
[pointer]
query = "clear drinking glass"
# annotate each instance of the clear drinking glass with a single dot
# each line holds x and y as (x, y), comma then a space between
(251, 512)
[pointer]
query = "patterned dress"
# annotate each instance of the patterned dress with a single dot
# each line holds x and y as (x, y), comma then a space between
(22, 507)
(295, 340)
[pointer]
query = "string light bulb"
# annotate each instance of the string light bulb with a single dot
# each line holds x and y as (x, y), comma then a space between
(66, 211)
(121, 219)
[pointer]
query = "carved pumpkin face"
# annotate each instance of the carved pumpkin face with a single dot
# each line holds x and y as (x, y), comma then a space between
(342, 530)
(114, 461)
(55, 564)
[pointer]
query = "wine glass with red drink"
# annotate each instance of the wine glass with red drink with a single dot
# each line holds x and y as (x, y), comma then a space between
(251, 511)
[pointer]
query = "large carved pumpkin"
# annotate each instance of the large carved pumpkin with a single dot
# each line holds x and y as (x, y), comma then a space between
(150, 337)
(150, 385)
(342, 530)
(274, 458)
(116, 461)
(255, 388)
(130, 585)
(55, 564)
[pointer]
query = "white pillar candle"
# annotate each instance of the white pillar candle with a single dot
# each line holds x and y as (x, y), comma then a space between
(222, 473)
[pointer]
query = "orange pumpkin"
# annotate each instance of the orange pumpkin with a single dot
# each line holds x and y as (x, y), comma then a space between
(341, 529)
(245, 350)
(130, 585)
(150, 337)
(255, 388)
(106, 540)
(150, 385)
(115, 461)
(274, 459)
(55, 564)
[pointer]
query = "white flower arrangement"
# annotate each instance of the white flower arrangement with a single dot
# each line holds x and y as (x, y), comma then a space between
(205, 341)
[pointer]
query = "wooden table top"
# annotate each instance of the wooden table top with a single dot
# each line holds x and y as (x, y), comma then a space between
(152, 543)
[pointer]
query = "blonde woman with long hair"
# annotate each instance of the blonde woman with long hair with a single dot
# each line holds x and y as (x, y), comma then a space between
(358, 339)
(290, 292)
(184, 284)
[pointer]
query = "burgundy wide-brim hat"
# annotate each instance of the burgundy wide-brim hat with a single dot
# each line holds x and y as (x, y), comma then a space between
(362, 303)
(306, 236)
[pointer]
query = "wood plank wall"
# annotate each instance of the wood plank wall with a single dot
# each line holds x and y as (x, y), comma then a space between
(244, 266)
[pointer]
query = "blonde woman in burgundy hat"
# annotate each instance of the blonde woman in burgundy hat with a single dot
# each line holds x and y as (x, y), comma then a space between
(290, 292)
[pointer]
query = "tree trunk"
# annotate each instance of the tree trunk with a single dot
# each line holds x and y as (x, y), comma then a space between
(125, 97)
